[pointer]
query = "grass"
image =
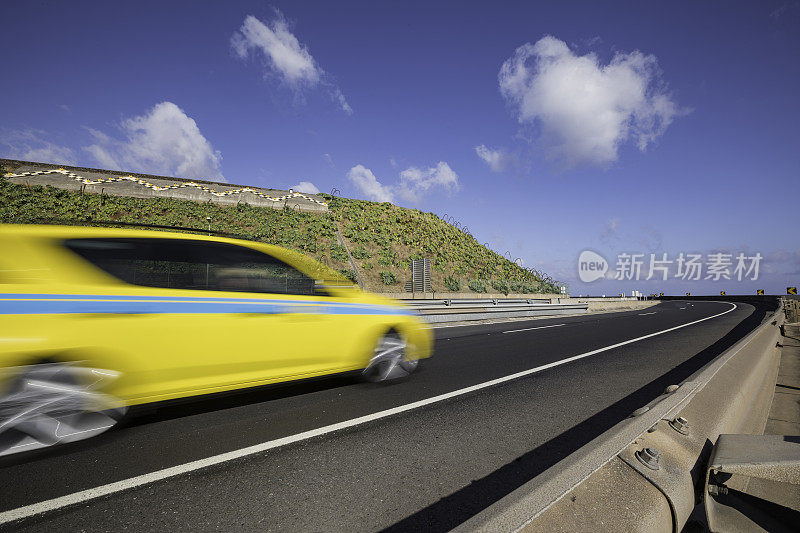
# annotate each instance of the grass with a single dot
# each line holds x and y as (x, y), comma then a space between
(381, 237)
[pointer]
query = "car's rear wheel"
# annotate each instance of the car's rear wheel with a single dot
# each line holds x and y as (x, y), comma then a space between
(54, 403)
(389, 360)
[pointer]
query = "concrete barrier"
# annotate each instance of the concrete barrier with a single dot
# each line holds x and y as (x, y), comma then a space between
(467, 309)
(615, 484)
(792, 306)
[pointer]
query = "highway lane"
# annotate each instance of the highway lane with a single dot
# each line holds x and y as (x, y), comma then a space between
(431, 467)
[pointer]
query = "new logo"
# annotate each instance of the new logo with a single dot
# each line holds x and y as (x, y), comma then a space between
(591, 266)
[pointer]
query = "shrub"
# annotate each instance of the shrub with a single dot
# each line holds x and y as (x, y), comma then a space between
(387, 257)
(338, 253)
(381, 240)
(361, 236)
(500, 285)
(349, 274)
(367, 265)
(452, 284)
(360, 253)
(387, 278)
(308, 245)
(477, 285)
(531, 287)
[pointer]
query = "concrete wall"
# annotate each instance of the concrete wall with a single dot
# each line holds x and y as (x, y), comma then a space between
(116, 183)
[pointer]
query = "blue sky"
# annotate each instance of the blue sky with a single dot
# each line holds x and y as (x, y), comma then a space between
(629, 127)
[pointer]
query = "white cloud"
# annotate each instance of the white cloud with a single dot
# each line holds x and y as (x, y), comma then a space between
(368, 184)
(786, 7)
(284, 55)
(585, 110)
(162, 141)
(496, 159)
(28, 145)
(610, 229)
(306, 187)
(414, 182)
(789, 258)
(282, 49)
(342, 101)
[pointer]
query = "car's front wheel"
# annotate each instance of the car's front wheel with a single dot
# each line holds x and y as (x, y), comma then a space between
(389, 360)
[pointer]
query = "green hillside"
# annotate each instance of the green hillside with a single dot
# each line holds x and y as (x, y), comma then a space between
(382, 238)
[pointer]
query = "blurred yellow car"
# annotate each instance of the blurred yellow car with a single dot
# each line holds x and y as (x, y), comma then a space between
(93, 320)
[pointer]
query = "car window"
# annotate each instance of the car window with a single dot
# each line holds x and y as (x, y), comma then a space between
(186, 264)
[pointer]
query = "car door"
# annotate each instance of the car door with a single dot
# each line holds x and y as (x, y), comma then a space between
(290, 331)
(201, 316)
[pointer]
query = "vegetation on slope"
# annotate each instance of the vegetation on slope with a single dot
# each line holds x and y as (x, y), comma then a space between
(381, 237)
(384, 238)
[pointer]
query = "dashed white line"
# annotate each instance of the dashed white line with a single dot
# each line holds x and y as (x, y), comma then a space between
(529, 329)
(145, 479)
(642, 314)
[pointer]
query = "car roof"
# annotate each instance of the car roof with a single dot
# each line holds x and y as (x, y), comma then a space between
(72, 232)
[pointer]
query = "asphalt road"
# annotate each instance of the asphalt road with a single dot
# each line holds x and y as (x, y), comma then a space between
(430, 467)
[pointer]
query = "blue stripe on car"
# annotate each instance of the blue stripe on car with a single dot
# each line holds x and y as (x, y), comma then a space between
(19, 304)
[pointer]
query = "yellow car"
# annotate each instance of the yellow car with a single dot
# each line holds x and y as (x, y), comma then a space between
(93, 320)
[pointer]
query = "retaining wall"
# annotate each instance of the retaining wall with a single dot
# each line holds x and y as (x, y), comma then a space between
(117, 183)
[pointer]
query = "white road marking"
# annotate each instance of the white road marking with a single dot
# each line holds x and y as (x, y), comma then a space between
(537, 327)
(104, 490)
(642, 314)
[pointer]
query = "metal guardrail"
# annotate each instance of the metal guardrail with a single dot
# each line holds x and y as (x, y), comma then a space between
(484, 308)
(472, 302)
(647, 472)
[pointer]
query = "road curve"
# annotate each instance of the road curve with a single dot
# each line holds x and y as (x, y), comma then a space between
(497, 405)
